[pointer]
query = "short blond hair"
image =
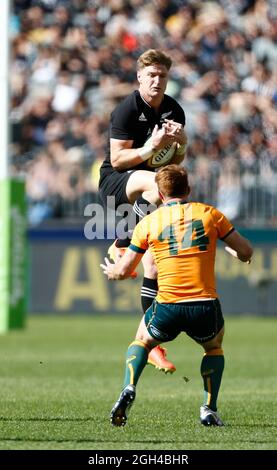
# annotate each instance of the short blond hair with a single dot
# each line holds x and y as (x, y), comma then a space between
(172, 181)
(153, 56)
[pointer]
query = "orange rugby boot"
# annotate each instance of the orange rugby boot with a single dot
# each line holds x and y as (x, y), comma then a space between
(115, 253)
(157, 358)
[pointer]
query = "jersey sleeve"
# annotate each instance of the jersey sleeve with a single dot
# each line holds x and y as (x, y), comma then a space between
(179, 114)
(139, 242)
(181, 118)
(222, 224)
(122, 123)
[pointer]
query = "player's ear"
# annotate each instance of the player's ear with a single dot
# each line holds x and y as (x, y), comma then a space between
(139, 77)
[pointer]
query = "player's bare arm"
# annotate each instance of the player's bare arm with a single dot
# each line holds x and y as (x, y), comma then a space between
(123, 156)
(241, 247)
(123, 268)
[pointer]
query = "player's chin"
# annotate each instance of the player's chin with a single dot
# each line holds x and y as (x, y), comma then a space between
(156, 91)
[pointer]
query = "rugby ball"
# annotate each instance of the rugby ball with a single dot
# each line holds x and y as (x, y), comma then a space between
(162, 156)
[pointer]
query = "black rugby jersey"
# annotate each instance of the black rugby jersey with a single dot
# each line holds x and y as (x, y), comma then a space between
(134, 119)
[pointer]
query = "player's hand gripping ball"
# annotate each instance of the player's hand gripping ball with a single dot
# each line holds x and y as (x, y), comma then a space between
(162, 156)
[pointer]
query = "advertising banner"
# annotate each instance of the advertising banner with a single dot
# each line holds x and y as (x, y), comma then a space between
(65, 277)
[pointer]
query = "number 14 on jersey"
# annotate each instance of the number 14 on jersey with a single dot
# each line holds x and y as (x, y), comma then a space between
(194, 236)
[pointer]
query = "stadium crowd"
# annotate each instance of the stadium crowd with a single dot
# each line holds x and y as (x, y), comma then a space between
(72, 60)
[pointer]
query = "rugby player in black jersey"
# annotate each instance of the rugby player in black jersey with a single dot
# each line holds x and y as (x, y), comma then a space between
(145, 121)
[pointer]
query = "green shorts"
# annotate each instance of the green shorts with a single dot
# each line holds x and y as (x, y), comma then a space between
(201, 320)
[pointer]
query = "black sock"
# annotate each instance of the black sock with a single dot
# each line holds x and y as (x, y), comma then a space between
(212, 366)
(149, 290)
(141, 208)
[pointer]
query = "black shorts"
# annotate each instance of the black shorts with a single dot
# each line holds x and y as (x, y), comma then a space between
(201, 320)
(114, 185)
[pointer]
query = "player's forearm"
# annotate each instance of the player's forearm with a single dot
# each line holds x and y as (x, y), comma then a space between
(244, 250)
(127, 264)
(120, 271)
(123, 268)
(125, 159)
(241, 247)
(246, 254)
(115, 272)
(117, 275)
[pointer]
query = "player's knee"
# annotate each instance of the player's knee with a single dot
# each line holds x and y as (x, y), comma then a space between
(150, 270)
(215, 343)
(142, 333)
(152, 195)
(150, 273)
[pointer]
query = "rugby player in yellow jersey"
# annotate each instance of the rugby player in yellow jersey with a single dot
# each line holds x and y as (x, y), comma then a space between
(182, 238)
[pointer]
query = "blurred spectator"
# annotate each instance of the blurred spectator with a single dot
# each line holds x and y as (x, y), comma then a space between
(72, 60)
(229, 195)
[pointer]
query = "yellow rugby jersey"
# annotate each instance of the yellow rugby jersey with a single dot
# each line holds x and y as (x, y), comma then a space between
(182, 238)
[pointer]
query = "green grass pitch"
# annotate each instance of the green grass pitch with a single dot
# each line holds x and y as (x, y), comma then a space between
(60, 376)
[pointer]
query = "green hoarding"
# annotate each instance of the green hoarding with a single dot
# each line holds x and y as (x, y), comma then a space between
(12, 255)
